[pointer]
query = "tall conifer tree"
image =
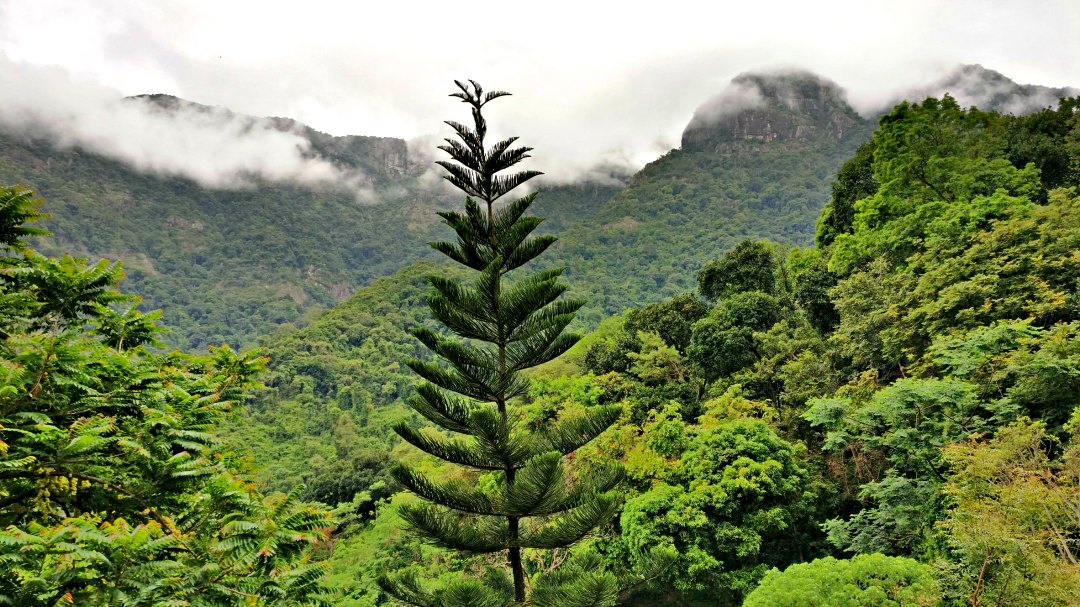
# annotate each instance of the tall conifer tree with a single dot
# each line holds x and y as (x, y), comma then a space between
(498, 325)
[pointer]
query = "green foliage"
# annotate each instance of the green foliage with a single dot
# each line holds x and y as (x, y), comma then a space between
(946, 300)
(909, 422)
(724, 342)
(656, 362)
(748, 267)
(868, 580)
(813, 291)
(113, 486)
(723, 503)
(990, 258)
(18, 207)
(672, 319)
(1013, 526)
(1049, 139)
(854, 181)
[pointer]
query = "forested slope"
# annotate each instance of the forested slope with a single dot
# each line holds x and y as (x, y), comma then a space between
(761, 171)
(334, 387)
(227, 264)
(904, 393)
(232, 264)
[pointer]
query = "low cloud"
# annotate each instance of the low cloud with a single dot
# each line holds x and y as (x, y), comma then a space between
(642, 76)
(211, 146)
(974, 85)
(788, 86)
(737, 97)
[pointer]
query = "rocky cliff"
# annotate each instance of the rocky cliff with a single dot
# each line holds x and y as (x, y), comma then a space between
(788, 107)
(380, 160)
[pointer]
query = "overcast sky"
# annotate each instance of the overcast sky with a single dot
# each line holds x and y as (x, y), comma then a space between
(591, 81)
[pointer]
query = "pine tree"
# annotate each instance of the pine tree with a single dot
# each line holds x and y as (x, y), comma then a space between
(497, 327)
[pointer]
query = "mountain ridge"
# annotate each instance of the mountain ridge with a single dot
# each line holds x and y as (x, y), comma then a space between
(230, 264)
(787, 106)
(974, 85)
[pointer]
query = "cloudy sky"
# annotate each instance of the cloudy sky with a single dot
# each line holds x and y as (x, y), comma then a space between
(591, 81)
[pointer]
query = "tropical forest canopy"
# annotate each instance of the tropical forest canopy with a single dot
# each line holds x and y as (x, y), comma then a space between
(872, 403)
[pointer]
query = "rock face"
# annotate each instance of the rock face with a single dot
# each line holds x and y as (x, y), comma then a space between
(385, 159)
(790, 107)
(379, 160)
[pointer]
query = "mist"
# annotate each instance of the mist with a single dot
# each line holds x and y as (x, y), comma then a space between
(594, 89)
(212, 146)
(974, 85)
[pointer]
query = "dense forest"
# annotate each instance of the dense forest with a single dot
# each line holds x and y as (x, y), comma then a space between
(871, 403)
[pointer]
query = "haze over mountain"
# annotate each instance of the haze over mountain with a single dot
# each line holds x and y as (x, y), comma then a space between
(237, 224)
(382, 69)
(975, 85)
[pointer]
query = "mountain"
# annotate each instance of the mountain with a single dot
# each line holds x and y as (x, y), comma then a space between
(378, 161)
(755, 162)
(788, 107)
(229, 264)
(975, 85)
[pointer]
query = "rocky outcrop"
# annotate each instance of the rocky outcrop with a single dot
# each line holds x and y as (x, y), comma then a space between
(793, 106)
(376, 160)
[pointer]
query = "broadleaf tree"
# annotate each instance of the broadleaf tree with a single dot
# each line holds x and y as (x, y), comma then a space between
(114, 487)
(497, 326)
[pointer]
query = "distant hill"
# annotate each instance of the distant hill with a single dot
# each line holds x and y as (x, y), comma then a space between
(382, 161)
(755, 162)
(229, 265)
(975, 85)
(226, 264)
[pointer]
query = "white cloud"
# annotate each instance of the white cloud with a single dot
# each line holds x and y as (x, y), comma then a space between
(210, 145)
(592, 83)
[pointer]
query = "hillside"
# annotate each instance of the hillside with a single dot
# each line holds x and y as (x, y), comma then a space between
(334, 387)
(755, 162)
(231, 264)
(227, 264)
(975, 85)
